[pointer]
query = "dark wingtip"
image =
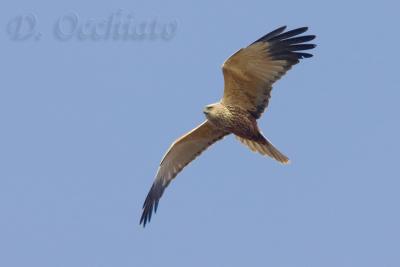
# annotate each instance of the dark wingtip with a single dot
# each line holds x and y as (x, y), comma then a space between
(304, 55)
(276, 31)
(280, 29)
(312, 37)
(146, 214)
(147, 208)
(271, 34)
(151, 202)
(302, 29)
(288, 45)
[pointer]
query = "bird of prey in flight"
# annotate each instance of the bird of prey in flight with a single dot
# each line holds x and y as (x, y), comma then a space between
(248, 78)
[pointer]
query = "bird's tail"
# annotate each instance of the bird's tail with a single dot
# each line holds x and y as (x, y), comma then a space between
(264, 147)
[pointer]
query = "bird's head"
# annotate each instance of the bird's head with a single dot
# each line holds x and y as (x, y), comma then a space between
(213, 111)
(209, 110)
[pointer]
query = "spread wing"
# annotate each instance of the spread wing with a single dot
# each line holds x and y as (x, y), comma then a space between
(181, 153)
(251, 71)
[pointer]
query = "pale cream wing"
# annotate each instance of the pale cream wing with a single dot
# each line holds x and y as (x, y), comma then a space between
(180, 154)
(251, 71)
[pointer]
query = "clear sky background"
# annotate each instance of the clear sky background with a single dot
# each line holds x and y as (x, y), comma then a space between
(84, 125)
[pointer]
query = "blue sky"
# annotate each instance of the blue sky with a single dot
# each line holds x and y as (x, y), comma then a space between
(84, 124)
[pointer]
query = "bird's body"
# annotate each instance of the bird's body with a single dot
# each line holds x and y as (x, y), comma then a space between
(248, 77)
(233, 120)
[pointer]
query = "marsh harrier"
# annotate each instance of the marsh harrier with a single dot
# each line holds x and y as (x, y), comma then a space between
(248, 78)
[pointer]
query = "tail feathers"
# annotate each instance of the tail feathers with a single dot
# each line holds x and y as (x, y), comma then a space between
(264, 147)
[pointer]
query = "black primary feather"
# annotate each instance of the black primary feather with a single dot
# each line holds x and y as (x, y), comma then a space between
(285, 45)
(151, 202)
